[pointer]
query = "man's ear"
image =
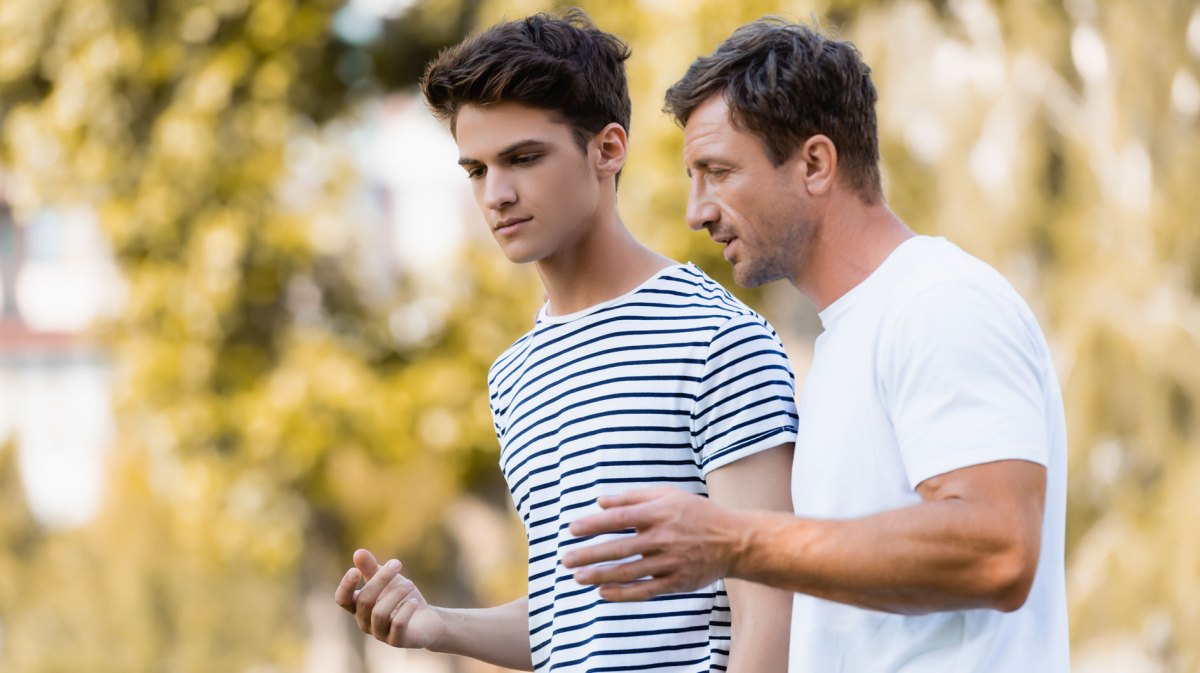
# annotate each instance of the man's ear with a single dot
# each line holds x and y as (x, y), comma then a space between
(611, 144)
(816, 164)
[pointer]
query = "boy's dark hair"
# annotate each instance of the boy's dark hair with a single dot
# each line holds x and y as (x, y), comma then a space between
(565, 65)
(785, 82)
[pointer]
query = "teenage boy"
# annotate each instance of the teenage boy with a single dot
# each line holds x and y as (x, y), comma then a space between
(930, 480)
(638, 372)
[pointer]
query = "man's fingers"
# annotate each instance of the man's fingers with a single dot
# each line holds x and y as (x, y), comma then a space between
(615, 550)
(624, 573)
(626, 510)
(604, 522)
(633, 497)
(615, 520)
(637, 591)
(345, 593)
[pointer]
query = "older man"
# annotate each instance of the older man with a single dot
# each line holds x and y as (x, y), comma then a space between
(929, 482)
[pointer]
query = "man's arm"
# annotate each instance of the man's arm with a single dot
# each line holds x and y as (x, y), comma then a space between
(391, 608)
(972, 543)
(761, 614)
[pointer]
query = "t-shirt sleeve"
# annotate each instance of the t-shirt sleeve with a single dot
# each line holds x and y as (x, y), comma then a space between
(963, 376)
(745, 401)
(493, 403)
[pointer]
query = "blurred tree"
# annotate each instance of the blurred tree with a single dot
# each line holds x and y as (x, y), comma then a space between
(274, 415)
(19, 534)
(270, 420)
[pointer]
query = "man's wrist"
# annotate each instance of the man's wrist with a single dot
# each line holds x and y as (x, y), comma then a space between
(741, 542)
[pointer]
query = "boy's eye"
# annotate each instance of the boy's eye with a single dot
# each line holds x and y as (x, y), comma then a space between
(526, 159)
(475, 173)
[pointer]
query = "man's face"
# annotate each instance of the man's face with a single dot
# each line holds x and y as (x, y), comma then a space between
(533, 184)
(756, 209)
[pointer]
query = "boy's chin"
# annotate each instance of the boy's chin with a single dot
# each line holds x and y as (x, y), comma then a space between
(518, 254)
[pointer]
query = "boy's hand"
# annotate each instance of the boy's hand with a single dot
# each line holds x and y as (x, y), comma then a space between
(389, 606)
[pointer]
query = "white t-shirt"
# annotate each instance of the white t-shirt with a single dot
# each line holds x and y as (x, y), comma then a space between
(933, 363)
(659, 386)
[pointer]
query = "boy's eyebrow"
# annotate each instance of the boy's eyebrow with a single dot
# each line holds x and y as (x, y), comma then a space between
(528, 143)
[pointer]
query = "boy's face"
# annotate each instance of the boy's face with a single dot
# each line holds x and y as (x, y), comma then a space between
(537, 190)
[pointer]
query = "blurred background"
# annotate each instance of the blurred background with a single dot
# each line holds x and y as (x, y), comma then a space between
(248, 305)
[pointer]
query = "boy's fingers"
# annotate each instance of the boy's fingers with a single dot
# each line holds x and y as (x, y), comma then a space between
(366, 563)
(346, 593)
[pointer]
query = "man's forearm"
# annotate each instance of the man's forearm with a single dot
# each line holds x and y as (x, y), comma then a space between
(498, 635)
(925, 558)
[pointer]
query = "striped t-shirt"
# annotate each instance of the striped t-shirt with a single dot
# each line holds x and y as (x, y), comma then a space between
(657, 387)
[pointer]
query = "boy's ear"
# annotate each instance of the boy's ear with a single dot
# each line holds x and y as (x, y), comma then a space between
(611, 144)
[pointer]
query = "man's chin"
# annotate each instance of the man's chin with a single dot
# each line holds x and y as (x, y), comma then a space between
(745, 275)
(749, 276)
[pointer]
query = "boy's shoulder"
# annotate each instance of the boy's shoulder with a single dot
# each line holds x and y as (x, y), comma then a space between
(685, 287)
(678, 293)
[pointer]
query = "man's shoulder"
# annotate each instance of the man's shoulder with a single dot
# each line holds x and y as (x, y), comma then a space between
(958, 304)
(943, 277)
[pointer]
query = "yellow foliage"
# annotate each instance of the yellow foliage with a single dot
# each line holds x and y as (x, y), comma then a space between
(274, 416)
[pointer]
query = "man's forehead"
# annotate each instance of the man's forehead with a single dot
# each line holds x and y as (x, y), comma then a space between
(708, 124)
(710, 115)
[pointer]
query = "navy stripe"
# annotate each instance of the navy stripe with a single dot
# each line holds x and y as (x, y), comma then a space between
(524, 366)
(585, 435)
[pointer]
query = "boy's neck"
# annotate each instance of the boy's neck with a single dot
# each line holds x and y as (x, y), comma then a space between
(604, 264)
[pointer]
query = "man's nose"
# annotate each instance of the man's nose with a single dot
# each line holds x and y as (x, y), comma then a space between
(701, 211)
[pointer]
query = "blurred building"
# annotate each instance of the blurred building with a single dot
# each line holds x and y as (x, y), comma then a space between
(57, 277)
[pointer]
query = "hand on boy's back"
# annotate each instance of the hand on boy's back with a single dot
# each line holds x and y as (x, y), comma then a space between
(388, 606)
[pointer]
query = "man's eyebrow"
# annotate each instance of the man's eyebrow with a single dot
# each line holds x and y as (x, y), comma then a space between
(702, 163)
(528, 143)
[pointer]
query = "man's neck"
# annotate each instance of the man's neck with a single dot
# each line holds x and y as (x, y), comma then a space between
(851, 243)
(604, 264)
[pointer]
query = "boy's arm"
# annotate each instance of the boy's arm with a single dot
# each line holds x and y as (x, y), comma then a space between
(498, 635)
(391, 608)
(761, 614)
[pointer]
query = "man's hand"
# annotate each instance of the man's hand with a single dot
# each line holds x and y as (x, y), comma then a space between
(684, 540)
(389, 606)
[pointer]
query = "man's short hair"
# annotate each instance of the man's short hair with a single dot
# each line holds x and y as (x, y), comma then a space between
(565, 65)
(785, 82)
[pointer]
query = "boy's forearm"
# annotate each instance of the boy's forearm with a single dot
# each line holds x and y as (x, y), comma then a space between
(761, 614)
(761, 627)
(498, 635)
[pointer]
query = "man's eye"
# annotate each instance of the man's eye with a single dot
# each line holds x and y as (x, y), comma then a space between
(475, 173)
(526, 159)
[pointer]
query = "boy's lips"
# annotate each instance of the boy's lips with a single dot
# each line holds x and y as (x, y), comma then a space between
(509, 224)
